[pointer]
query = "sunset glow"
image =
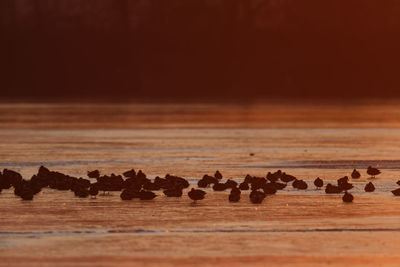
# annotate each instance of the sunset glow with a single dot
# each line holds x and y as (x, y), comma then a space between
(199, 133)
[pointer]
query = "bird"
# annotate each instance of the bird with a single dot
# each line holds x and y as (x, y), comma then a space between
(278, 185)
(131, 173)
(234, 196)
(269, 189)
(332, 189)
(273, 177)
(256, 197)
(355, 174)
(220, 187)
(93, 191)
(129, 194)
(396, 192)
(257, 183)
(146, 195)
(202, 183)
(231, 184)
(27, 196)
(244, 186)
(318, 183)
(347, 197)
(140, 174)
(218, 175)
(373, 171)
(369, 187)
(81, 192)
(343, 180)
(93, 174)
(345, 186)
(196, 194)
(206, 181)
(302, 185)
(173, 192)
(125, 195)
(299, 184)
(286, 178)
(25, 192)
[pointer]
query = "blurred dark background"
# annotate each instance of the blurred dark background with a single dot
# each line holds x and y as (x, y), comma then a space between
(199, 48)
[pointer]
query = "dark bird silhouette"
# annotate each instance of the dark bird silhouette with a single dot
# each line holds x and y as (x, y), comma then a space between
(81, 192)
(278, 185)
(93, 191)
(269, 188)
(355, 174)
(244, 186)
(318, 182)
(332, 189)
(196, 194)
(347, 197)
(248, 179)
(273, 177)
(141, 175)
(230, 184)
(173, 192)
(300, 184)
(396, 192)
(295, 183)
(286, 178)
(146, 195)
(218, 175)
(148, 185)
(256, 197)
(220, 187)
(343, 184)
(162, 182)
(258, 183)
(234, 196)
(24, 190)
(130, 193)
(177, 182)
(43, 171)
(202, 183)
(93, 174)
(130, 173)
(27, 195)
(373, 171)
(369, 187)
(343, 180)
(10, 178)
(125, 195)
(206, 181)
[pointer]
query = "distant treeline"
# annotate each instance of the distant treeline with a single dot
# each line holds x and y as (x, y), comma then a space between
(217, 48)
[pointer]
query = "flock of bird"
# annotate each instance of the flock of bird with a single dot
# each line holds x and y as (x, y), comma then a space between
(134, 184)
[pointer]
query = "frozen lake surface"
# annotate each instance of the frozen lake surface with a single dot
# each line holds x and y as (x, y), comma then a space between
(291, 227)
